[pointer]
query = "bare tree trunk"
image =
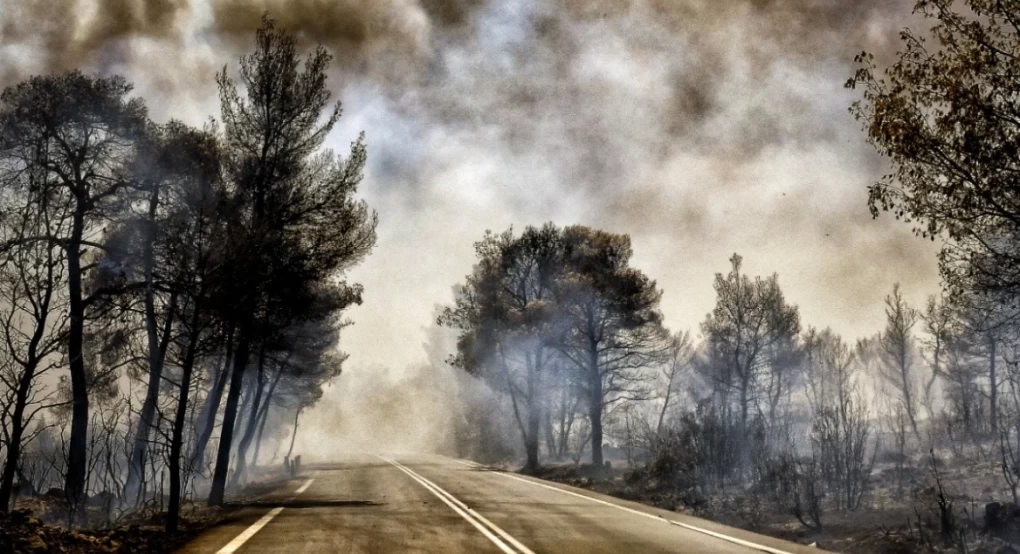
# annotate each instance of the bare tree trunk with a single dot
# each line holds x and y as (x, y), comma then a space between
(550, 434)
(219, 483)
(993, 389)
(665, 405)
(264, 415)
(207, 417)
(595, 411)
(293, 434)
(565, 423)
(534, 416)
(17, 432)
(908, 400)
(177, 436)
(157, 343)
(252, 423)
(77, 451)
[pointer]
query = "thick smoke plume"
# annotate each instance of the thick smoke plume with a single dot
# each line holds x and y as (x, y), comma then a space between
(701, 128)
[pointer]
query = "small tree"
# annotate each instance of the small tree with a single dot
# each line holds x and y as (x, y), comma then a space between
(841, 426)
(897, 353)
(678, 356)
(749, 336)
(33, 319)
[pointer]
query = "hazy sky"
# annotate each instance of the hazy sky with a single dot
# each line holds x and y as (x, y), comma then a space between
(699, 127)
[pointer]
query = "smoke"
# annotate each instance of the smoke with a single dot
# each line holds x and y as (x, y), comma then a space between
(58, 36)
(699, 127)
(366, 36)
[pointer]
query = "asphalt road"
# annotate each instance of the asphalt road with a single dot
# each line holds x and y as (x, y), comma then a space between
(414, 503)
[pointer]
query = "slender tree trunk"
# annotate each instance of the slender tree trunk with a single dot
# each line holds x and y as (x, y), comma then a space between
(665, 405)
(17, 431)
(177, 437)
(534, 416)
(252, 423)
(136, 461)
(219, 483)
(993, 389)
(293, 434)
(264, 415)
(550, 434)
(207, 417)
(157, 342)
(595, 411)
(77, 452)
(565, 425)
(744, 436)
(908, 400)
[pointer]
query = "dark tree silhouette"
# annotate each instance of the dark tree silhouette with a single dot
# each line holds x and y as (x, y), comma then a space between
(78, 134)
(33, 318)
(505, 313)
(611, 327)
(751, 319)
(300, 222)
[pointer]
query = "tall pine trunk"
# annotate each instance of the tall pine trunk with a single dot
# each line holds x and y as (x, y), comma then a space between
(252, 422)
(993, 388)
(219, 482)
(77, 450)
(595, 410)
(264, 415)
(177, 436)
(207, 417)
(157, 356)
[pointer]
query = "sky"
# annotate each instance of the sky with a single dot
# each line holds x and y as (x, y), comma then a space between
(701, 128)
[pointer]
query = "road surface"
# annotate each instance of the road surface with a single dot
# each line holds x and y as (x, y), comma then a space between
(415, 503)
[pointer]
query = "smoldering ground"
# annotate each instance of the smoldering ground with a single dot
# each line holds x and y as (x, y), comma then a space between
(700, 128)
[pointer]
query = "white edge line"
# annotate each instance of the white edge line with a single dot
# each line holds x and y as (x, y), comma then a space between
(715, 534)
(248, 533)
(304, 487)
(477, 515)
(493, 538)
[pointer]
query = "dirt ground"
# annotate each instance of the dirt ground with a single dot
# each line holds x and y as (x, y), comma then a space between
(37, 525)
(899, 513)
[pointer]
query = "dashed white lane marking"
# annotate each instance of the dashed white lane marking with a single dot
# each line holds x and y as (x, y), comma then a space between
(734, 540)
(474, 518)
(248, 533)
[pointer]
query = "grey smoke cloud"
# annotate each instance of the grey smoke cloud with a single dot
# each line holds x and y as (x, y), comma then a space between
(700, 127)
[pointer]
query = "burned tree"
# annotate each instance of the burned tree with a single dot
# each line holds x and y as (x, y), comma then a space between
(505, 313)
(611, 328)
(841, 424)
(191, 251)
(750, 322)
(897, 355)
(300, 221)
(32, 312)
(77, 134)
(678, 356)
